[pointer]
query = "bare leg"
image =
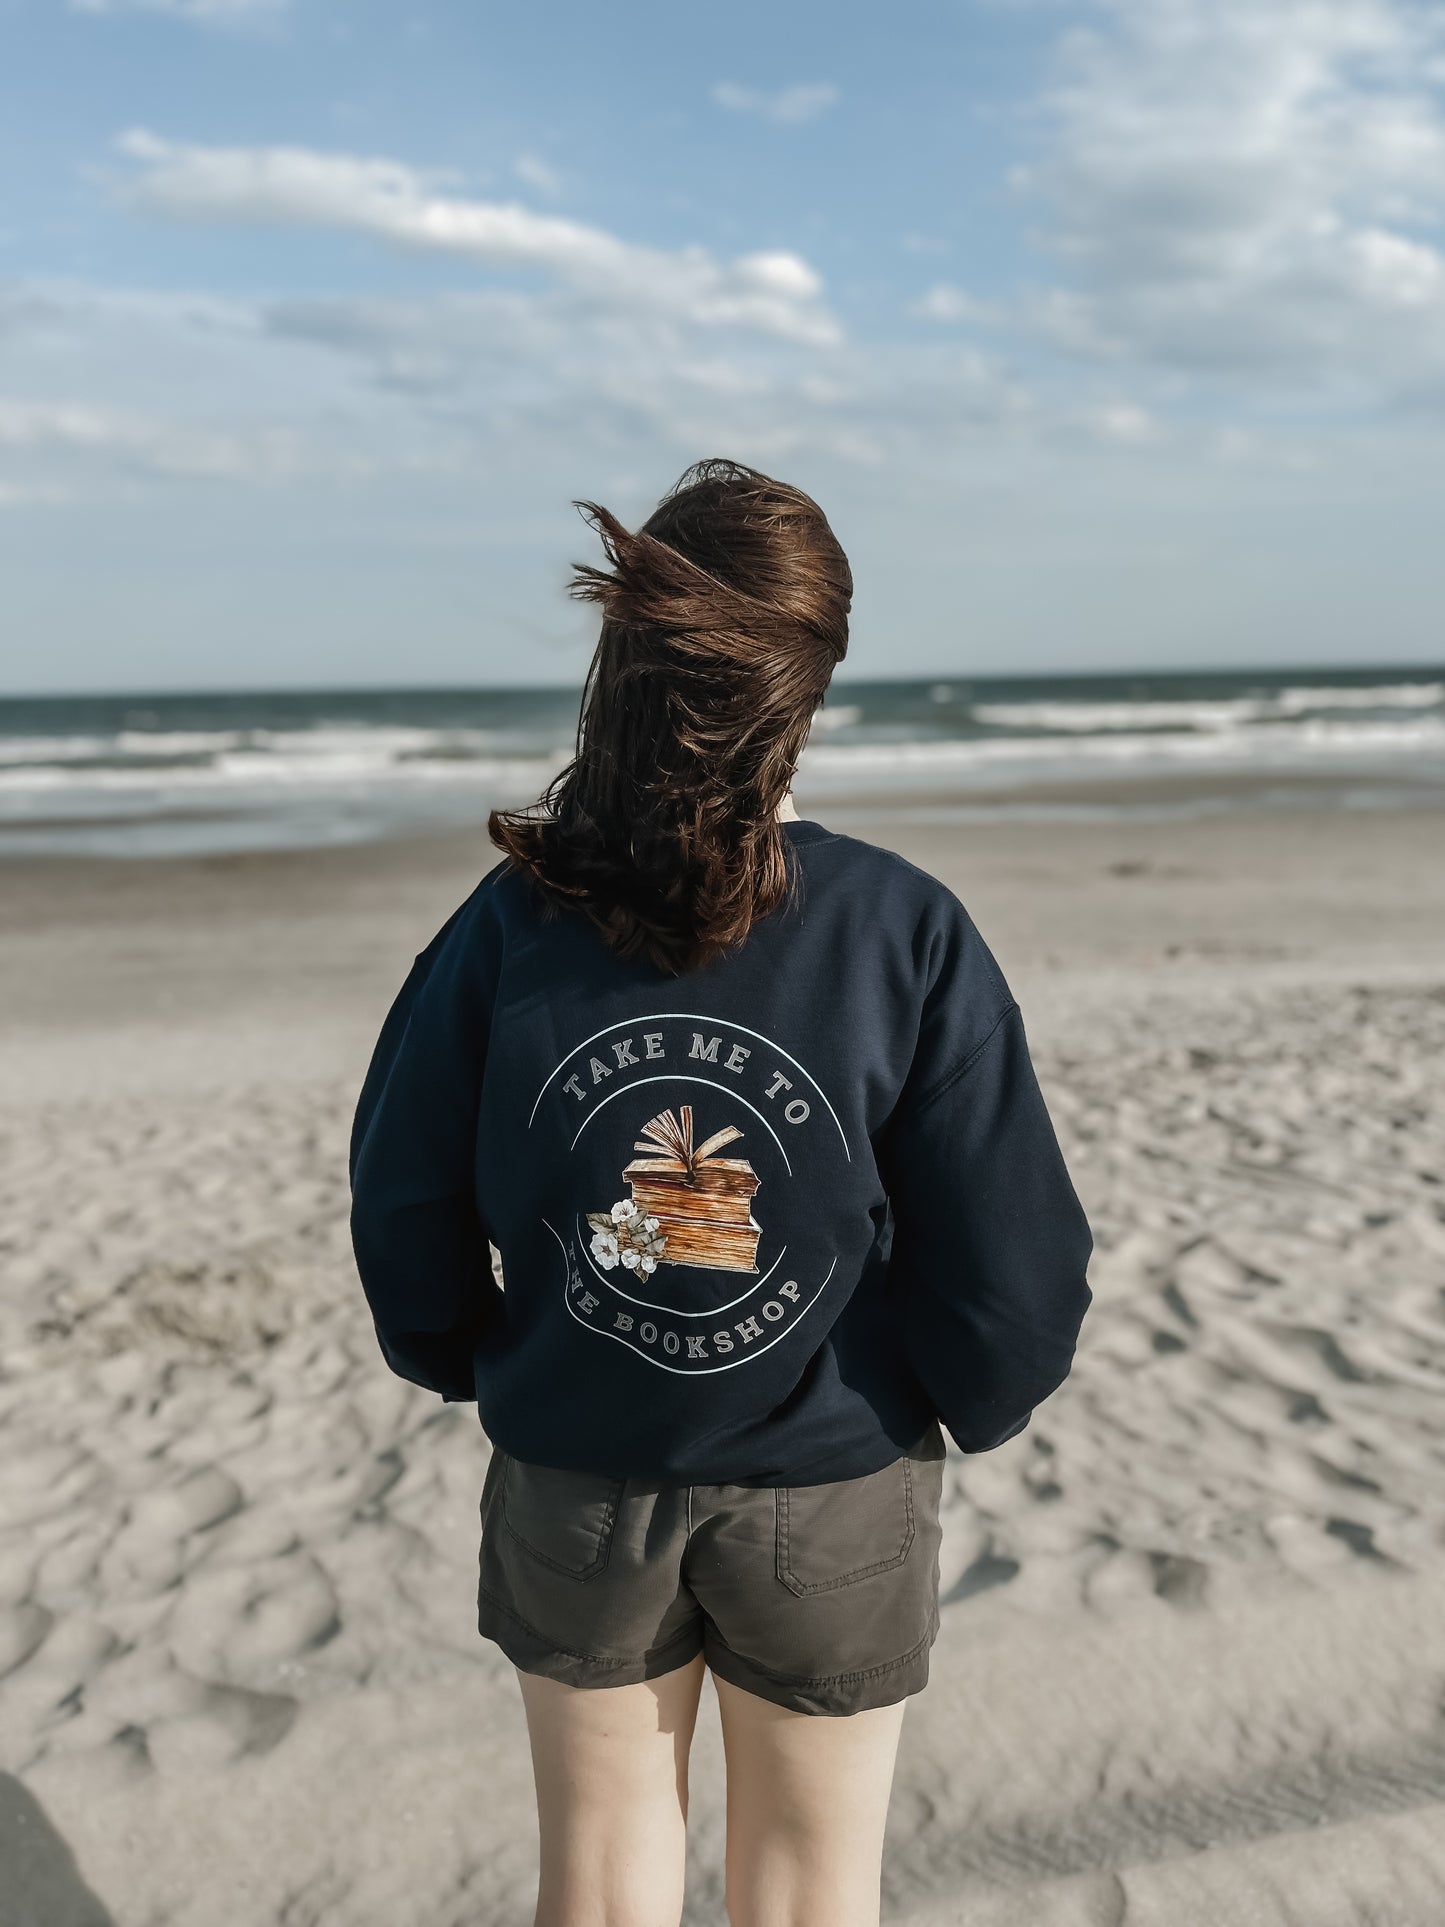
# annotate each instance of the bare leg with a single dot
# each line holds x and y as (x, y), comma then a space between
(610, 1764)
(807, 1801)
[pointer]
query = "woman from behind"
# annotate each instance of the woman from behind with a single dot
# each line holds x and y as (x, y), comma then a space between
(747, 1109)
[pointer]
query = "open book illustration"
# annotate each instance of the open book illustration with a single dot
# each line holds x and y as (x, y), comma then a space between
(688, 1206)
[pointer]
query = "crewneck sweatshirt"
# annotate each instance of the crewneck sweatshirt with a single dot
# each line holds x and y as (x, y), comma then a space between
(758, 1223)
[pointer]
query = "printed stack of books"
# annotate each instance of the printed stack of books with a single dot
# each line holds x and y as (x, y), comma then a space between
(703, 1203)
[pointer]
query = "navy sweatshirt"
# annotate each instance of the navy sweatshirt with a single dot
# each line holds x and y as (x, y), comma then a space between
(759, 1223)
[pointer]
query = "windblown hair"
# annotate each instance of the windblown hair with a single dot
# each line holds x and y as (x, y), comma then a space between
(723, 619)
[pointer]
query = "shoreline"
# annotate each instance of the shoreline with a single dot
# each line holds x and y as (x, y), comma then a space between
(274, 932)
(310, 823)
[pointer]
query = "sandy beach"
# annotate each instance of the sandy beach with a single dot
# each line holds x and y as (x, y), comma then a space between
(1193, 1647)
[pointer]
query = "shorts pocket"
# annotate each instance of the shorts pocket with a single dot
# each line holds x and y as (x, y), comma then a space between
(832, 1535)
(563, 1518)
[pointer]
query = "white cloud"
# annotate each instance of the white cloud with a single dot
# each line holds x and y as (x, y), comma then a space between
(1250, 189)
(532, 171)
(943, 302)
(27, 424)
(146, 445)
(113, 392)
(785, 106)
(556, 368)
(1124, 422)
(771, 293)
(1397, 272)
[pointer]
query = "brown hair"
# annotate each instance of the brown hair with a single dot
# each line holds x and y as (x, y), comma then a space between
(723, 618)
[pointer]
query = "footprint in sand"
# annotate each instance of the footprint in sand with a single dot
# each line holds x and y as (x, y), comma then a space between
(239, 1624)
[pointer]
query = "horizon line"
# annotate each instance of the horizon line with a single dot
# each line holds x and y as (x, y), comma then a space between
(173, 693)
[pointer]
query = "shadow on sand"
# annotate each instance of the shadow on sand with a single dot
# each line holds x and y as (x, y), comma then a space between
(40, 1884)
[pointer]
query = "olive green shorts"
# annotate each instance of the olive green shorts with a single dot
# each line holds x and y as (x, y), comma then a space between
(823, 1598)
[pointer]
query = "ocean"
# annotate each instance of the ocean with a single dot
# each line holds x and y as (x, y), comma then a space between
(141, 775)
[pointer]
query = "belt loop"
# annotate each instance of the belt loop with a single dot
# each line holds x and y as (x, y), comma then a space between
(689, 1512)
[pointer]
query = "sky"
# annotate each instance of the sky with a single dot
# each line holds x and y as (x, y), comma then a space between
(1109, 334)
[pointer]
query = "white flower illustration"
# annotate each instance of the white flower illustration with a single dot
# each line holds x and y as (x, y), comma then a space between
(623, 1236)
(604, 1249)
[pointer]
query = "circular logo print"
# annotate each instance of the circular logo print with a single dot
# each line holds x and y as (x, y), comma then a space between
(696, 1161)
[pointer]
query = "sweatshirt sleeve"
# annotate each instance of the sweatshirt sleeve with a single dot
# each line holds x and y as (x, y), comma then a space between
(991, 1245)
(422, 1250)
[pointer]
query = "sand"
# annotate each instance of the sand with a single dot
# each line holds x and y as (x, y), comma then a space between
(1193, 1645)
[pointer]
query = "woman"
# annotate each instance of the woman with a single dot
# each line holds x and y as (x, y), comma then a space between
(746, 1106)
